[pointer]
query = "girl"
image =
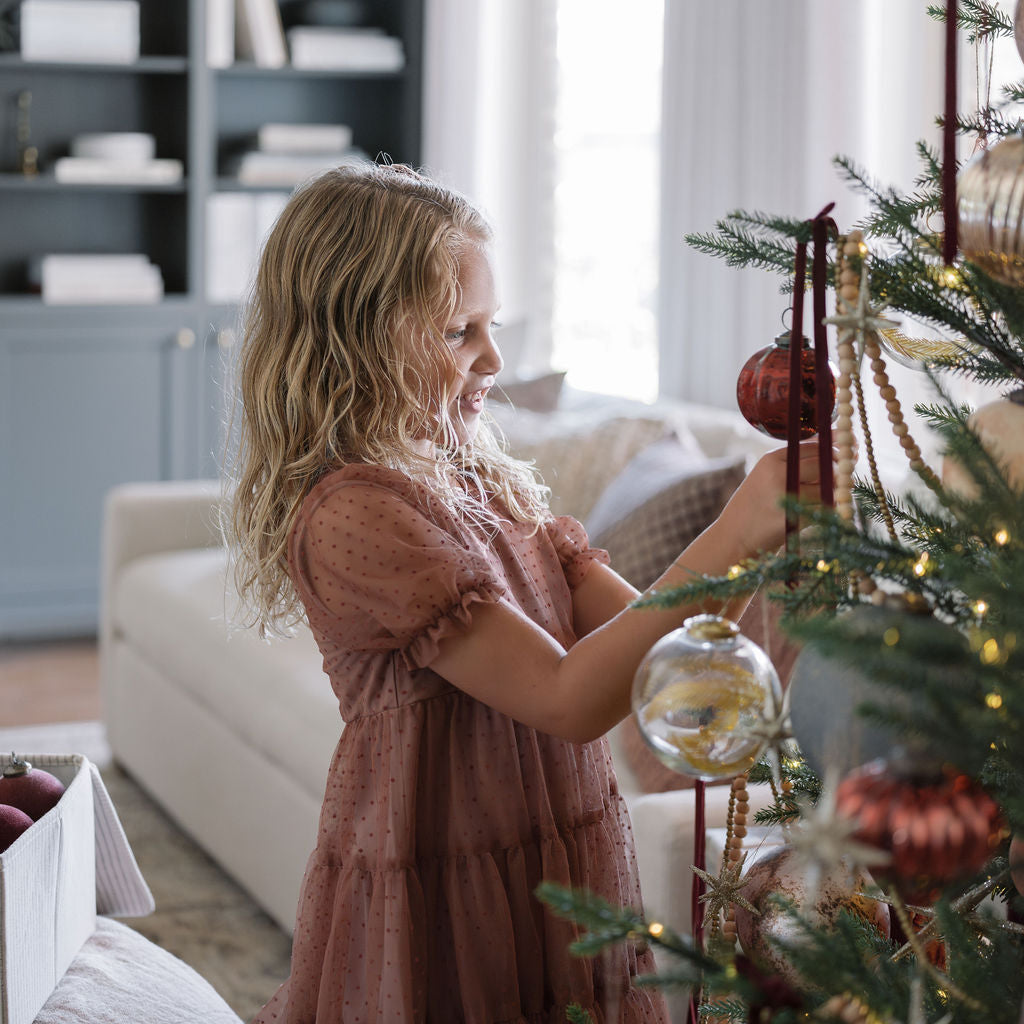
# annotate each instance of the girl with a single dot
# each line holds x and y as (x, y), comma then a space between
(479, 649)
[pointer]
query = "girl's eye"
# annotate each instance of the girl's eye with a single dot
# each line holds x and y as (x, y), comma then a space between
(454, 337)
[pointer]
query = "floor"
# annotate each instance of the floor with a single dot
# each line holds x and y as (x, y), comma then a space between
(202, 916)
(51, 681)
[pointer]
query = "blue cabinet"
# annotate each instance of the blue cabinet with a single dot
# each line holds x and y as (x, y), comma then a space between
(92, 396)
(84, 405)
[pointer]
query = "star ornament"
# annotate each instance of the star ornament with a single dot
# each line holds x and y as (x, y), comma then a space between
(861, 317)
(771, 731)
(725, 889)
(822, 839)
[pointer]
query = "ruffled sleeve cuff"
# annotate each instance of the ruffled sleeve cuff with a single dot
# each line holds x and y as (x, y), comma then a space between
(573, 547)
(423, 648)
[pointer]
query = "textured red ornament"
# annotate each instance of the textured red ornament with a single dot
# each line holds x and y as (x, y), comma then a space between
(29, 789)
(937, 830)
(1016, 857)
(13, 821)
(762, 389)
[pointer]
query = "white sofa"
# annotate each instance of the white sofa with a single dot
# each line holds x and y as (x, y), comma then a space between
(232, 734)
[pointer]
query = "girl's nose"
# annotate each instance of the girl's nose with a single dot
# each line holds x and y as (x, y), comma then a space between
(489, 360)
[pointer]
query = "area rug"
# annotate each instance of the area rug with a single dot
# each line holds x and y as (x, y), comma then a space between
(201, 915)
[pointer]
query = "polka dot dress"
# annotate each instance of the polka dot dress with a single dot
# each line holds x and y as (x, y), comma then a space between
(442, 815)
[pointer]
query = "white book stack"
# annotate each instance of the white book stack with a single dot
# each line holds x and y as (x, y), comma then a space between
(287, 154)
(220, 33)
(303, 138)
(116, 158)
(237, 225)
(99, 279)
(259, 34)
(83, 31)
(316, 47)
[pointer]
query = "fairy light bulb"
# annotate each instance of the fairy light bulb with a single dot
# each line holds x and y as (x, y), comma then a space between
(1002, 537)
(951, 277)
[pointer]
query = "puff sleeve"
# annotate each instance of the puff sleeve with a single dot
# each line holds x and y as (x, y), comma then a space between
(570, 541)
(379, 571)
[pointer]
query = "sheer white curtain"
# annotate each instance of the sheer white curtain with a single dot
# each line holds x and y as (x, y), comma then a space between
(758, 98)
(489, 103)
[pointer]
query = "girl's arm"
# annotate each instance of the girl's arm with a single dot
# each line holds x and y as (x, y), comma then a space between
(510, 663)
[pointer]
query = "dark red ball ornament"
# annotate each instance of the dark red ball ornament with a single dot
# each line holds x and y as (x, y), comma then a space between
(12, 823)
(938, 829)
(29, 789)
(762, 389)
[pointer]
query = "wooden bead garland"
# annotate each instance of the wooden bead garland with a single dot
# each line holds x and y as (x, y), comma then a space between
(735, 833)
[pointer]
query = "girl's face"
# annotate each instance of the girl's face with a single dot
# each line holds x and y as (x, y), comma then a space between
(469, 336)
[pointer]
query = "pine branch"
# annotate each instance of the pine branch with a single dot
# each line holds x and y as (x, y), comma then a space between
(986, 124)
(1013, 92)
(606, 925)
(982, 20)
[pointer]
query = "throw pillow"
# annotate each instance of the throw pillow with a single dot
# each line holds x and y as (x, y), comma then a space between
(577, 454)
(540, 394)
(657, 505)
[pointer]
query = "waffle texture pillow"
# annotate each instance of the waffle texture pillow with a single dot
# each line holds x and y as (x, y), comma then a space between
(578, 453)
(663, 498)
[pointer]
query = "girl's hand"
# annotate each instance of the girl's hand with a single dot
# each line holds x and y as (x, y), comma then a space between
(754, 513)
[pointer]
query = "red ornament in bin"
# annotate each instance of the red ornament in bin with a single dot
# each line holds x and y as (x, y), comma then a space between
(29, 789)
(12, 823)
(938, 829)
(762, 389)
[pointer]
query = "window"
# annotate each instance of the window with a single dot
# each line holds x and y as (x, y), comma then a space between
(607, 130)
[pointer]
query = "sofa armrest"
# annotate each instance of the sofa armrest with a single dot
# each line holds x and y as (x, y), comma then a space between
(149, 518)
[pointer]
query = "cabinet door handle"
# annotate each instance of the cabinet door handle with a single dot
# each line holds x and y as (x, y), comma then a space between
(226, 338)
(185, 338)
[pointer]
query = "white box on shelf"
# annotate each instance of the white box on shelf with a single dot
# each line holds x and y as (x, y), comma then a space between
(127, 147)
(84, 31)
(70, 865)
(315, 47)
(99, 279)
(286, 170)
(303, 138)
(80, 170)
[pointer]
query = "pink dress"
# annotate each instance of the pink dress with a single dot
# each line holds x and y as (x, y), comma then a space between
(442, 815)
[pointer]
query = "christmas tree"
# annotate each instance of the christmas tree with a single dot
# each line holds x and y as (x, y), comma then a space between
(909, 609)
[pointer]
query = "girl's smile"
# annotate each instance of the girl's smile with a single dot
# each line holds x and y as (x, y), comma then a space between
(469, 334)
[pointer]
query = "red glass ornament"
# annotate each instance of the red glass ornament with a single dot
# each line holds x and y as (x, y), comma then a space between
(762, 389)
(937, 830)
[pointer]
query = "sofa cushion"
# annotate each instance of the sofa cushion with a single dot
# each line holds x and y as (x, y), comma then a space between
(657, 505)
(174, 608)
(578, 454)
(537, 393)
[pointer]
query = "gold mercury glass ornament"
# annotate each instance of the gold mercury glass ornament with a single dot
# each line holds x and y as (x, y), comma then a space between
(700, 694)
(990, 203)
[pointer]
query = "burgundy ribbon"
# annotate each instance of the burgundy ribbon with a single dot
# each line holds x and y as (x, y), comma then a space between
(822, 226)
(698, 887)
(949, 212)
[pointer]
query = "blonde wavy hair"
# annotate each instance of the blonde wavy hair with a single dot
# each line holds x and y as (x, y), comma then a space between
(344, 360)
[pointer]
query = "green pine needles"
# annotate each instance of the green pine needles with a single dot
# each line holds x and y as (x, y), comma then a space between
(946, 659)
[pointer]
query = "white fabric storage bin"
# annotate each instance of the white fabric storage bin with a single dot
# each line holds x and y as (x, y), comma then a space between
(84, 31)
(73, 863)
